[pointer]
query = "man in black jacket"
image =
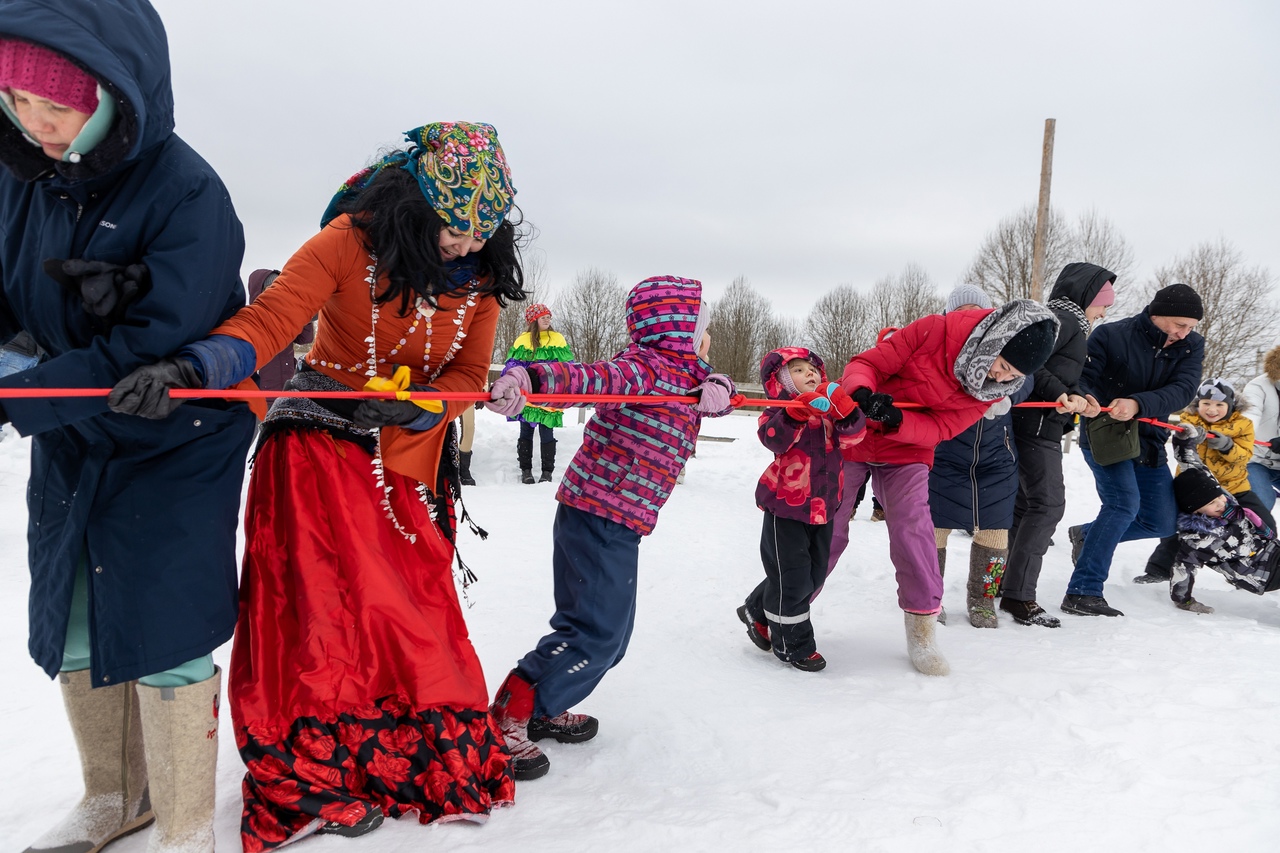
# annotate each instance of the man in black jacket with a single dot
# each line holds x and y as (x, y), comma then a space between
(1080, 297)
(1147, 366)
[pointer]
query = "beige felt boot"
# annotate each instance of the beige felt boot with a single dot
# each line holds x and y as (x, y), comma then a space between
(180, 725)
(109, 737)
(922, 646)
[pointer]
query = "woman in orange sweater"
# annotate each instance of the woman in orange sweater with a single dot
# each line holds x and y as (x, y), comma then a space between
(355, 692)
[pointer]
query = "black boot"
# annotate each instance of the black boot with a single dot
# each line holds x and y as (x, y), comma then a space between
(464, 468)
(524, 455)
(548, 460)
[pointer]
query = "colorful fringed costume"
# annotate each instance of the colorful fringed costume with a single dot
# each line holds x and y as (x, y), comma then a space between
(551, 347)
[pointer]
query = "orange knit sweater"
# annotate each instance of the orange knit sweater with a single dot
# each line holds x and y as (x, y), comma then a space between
(329, 275)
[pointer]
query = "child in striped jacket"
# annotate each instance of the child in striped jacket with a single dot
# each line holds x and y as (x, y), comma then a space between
(609, 498)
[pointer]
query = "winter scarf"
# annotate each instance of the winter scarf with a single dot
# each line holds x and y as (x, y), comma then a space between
(1073, 309)
(989, 337)
(460, 169)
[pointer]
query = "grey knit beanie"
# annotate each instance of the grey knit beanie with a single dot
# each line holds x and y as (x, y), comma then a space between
(968, 294)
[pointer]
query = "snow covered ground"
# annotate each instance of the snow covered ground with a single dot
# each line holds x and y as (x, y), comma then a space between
(1154, 732)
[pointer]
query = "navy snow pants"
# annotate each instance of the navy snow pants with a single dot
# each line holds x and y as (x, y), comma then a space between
(594, 562)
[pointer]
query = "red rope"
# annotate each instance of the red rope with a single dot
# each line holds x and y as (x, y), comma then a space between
(738, 401)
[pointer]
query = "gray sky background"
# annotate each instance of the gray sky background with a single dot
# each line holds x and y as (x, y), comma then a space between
(801, 144)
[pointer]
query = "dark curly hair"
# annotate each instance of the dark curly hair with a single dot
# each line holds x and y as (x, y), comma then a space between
(401, 228)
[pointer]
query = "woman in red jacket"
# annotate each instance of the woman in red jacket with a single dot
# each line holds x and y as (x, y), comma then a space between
(954, 367)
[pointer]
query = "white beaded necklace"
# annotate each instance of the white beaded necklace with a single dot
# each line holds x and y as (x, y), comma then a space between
(422, 310)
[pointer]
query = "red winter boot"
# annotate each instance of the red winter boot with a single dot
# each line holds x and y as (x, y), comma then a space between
(512, 708)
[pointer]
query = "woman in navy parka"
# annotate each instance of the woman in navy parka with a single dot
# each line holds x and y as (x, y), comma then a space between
(132, 529)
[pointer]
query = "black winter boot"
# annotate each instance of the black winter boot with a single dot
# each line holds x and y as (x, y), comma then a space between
(524, 455)
(548, 460)
(464, 468)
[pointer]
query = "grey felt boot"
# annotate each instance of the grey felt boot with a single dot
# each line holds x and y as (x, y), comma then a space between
(108, 735)
(986, 568)
(180, 727)
(922, 646)
(942, 572)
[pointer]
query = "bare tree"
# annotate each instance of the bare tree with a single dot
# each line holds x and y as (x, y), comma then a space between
(511, 322)
(739, 320)
(781, 332)
(1240, 312)
(840, 326)
(592, 315)
(1098, 241)
(1003, 264)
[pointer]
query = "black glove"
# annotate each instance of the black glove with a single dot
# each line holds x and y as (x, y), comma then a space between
(1274, 450)
(104, 290)
(878, 407)
(372, 414)
(145, 392)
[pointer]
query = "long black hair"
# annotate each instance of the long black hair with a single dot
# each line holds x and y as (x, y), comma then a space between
(401, 228)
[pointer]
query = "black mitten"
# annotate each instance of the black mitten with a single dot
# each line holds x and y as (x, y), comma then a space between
(145, 392)
(105, 290)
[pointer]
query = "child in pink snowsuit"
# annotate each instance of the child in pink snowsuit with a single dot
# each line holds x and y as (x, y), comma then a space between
(954, 366)
(799, 493)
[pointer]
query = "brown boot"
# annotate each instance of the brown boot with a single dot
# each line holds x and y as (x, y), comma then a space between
(986, 568)
(942, 572)
(180, 726)
(512, 709)
(108, 735)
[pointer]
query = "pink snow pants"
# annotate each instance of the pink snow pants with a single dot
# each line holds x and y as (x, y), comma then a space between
(903, 491)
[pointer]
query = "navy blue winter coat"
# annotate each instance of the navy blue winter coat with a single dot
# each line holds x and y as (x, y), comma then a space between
(1128, 358)
(974, 479)
(152, 506)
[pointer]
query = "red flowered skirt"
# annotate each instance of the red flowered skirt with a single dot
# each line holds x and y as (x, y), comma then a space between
(353, 681)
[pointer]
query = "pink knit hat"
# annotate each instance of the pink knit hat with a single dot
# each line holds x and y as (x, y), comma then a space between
(42, 72)
(1106, 297)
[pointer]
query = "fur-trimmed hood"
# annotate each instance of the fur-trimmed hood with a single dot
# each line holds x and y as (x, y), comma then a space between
(1271, 364)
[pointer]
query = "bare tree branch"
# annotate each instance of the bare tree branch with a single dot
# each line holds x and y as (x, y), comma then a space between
(1240, 311)
(739, 320)
(592, 315)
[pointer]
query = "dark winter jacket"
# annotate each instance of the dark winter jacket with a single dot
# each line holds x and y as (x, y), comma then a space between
(1128, 358)
(1078, 283)
(152, 506)
(805, 478)
(917, 365)
(974, 480)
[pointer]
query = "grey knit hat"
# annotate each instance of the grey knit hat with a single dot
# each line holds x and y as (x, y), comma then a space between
(968, 294)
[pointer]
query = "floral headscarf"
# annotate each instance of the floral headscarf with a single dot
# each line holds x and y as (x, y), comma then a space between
(461, 170)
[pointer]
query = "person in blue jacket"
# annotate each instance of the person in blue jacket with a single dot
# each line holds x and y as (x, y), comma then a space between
(1144, 366)
(118, 246)
(972, 486)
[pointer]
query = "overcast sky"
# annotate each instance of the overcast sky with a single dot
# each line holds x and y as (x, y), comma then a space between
(801, 144)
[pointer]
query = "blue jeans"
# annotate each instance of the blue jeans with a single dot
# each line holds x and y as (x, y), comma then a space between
(1264, 482)
(594, 564)
(545, 433)
(1137, 503)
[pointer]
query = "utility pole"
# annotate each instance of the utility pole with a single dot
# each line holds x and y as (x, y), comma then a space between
(1042, 213)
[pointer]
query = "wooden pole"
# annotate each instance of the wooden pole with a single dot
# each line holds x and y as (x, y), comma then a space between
(1042, 213)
